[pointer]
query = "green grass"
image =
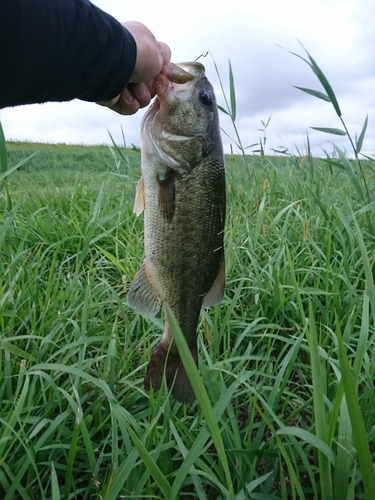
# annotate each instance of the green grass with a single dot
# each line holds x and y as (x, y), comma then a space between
(285, 388)
(286, 361)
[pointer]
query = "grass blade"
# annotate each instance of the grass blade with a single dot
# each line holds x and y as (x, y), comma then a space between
(325, 83)
(3, 152)
(6, 174)
(321, 423)
(55, 490)
(335, 131)
(356, 419)
(201, 395)
(151, 465)
(232, 93)
(359, 141)
(343, 457)
(353, 176)
(14, 417)
(368, 269)
(314, 93)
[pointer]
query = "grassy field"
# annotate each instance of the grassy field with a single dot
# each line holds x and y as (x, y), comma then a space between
(286, 409)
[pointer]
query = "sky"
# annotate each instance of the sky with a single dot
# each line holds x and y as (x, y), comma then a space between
(257, 38)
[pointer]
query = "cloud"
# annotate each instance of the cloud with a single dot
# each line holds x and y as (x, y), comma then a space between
(335, 32)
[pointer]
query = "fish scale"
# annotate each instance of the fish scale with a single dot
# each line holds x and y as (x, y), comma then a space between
(182, 193)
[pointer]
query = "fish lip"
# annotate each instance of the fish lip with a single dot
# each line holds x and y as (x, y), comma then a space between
(163, 86)
(180, 77)
(183, 72)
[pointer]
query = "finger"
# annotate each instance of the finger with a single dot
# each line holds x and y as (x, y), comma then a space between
(151, 85)
(109, 104)
(127, 104)
(165, 52)
(141, 93)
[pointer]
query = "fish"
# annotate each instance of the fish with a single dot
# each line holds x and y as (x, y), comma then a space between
(182, 194)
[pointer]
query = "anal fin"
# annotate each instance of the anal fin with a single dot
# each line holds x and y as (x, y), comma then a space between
(142, 296)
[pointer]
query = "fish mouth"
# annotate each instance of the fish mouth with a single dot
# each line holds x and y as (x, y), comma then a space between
(179, 77)
(173, 78)
(184, 72)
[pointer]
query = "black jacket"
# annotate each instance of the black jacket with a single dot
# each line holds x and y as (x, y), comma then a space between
(58, 50)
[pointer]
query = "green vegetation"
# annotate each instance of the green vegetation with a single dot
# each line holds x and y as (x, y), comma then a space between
(75, 421)
(285, 397)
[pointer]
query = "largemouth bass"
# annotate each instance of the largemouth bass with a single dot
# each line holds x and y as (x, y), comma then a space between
(182, 193)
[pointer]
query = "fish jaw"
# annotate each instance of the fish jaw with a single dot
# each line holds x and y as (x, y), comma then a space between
(176, 127)
(176, 77)
(156, 133)
(151, 140)
(183, 72)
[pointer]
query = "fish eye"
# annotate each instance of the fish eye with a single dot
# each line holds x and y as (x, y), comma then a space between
(206, 98)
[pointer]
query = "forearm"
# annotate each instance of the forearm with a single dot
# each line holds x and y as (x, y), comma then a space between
(58, 50)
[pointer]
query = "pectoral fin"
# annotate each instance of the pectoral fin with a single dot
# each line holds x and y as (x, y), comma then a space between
(216, 292)
(142, 296)
(139, 203)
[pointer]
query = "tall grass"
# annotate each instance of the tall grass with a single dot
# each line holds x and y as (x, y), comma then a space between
(285, 397)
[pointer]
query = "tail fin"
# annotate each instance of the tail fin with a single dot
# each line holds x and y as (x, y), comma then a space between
(170, 363)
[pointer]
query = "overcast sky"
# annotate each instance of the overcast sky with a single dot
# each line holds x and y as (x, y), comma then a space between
(339, 34)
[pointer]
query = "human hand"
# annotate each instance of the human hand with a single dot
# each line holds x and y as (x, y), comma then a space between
(151, 57)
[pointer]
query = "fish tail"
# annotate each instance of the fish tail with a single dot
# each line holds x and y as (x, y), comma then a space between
(168, 361)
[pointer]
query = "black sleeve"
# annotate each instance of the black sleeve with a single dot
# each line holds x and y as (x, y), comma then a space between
(58, 50)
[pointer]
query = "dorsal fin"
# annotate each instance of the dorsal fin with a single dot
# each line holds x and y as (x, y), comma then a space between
(216, 293)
